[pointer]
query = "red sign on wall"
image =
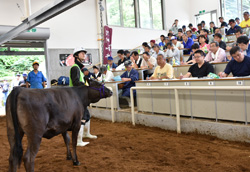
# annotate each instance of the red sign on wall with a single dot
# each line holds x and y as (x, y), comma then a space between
(107, 42)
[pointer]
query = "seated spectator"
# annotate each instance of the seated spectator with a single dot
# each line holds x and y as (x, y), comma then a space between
(111, 65)
(184, 29)
(239, 66)
(192, 28)
(129, 77)
(205, 33)
(199, 26)
(152, 43)
(170, 31)
(172, 53)
(237, 20)
(163, 70)
(149, 50)
(176, 43)
(203, 46)
(96, 75)
(162, 43)
(187, 43)
(246, 22)
(215, 54)
(233, 27)
(201, 68)
(121, 56)
(175, 27)
(170, 36)
(179, 37)
(86, 73)
(157, 51)
(223, 38)
(204, 25)
(136, 60)
(223, 24)
(166, 42)
(191, 35)
(127, 54)
(191, 59)
(212, 27)
(218, 38)
(238, 33)
(144, 44)
(243, 43)
(148, 63)
(107, 76)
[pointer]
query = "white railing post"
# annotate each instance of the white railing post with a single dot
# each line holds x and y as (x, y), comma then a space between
(132, 105)
(112, 106)
(177, 107)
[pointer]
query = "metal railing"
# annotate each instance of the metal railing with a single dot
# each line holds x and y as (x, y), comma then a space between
(177, 105)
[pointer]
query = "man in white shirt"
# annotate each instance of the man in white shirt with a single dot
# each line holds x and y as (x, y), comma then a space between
(172, 54)
(107, 76)
(175, 27)
(149, 63)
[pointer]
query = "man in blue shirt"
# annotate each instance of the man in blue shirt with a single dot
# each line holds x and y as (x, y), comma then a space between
(35, 78)
(129, 77)
(233, 27)
(191, 35)
(243, 43)
(187, 42)
(239, 66)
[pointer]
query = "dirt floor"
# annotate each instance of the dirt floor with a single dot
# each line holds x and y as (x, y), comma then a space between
(122, 147)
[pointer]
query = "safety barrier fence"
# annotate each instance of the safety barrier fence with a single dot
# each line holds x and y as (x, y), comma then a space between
(177, 104)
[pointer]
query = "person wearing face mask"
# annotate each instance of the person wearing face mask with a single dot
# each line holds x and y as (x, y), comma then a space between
(77, 79)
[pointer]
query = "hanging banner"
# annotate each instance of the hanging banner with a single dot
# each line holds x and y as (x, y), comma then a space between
(107, 42)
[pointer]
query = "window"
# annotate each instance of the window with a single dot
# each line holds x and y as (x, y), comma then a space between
(135, 13)
(234, 8)
(113, 12)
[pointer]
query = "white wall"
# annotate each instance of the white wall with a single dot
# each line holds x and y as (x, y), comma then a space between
(177, 9)
(207, 5)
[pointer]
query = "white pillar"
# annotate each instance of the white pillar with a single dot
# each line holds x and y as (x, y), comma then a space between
(27, 8)
(99, 31)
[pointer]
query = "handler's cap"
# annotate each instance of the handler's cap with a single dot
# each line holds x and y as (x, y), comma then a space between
(18, 74)
(110, 58)
(35, 62)
(127, 63)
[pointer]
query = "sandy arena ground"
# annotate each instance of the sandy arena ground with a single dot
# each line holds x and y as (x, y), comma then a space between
(122, 147)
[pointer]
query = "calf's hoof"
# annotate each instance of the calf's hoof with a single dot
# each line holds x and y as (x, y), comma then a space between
(77, 163)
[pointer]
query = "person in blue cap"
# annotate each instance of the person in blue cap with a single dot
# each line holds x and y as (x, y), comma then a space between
(23, 82)
(111, 65)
